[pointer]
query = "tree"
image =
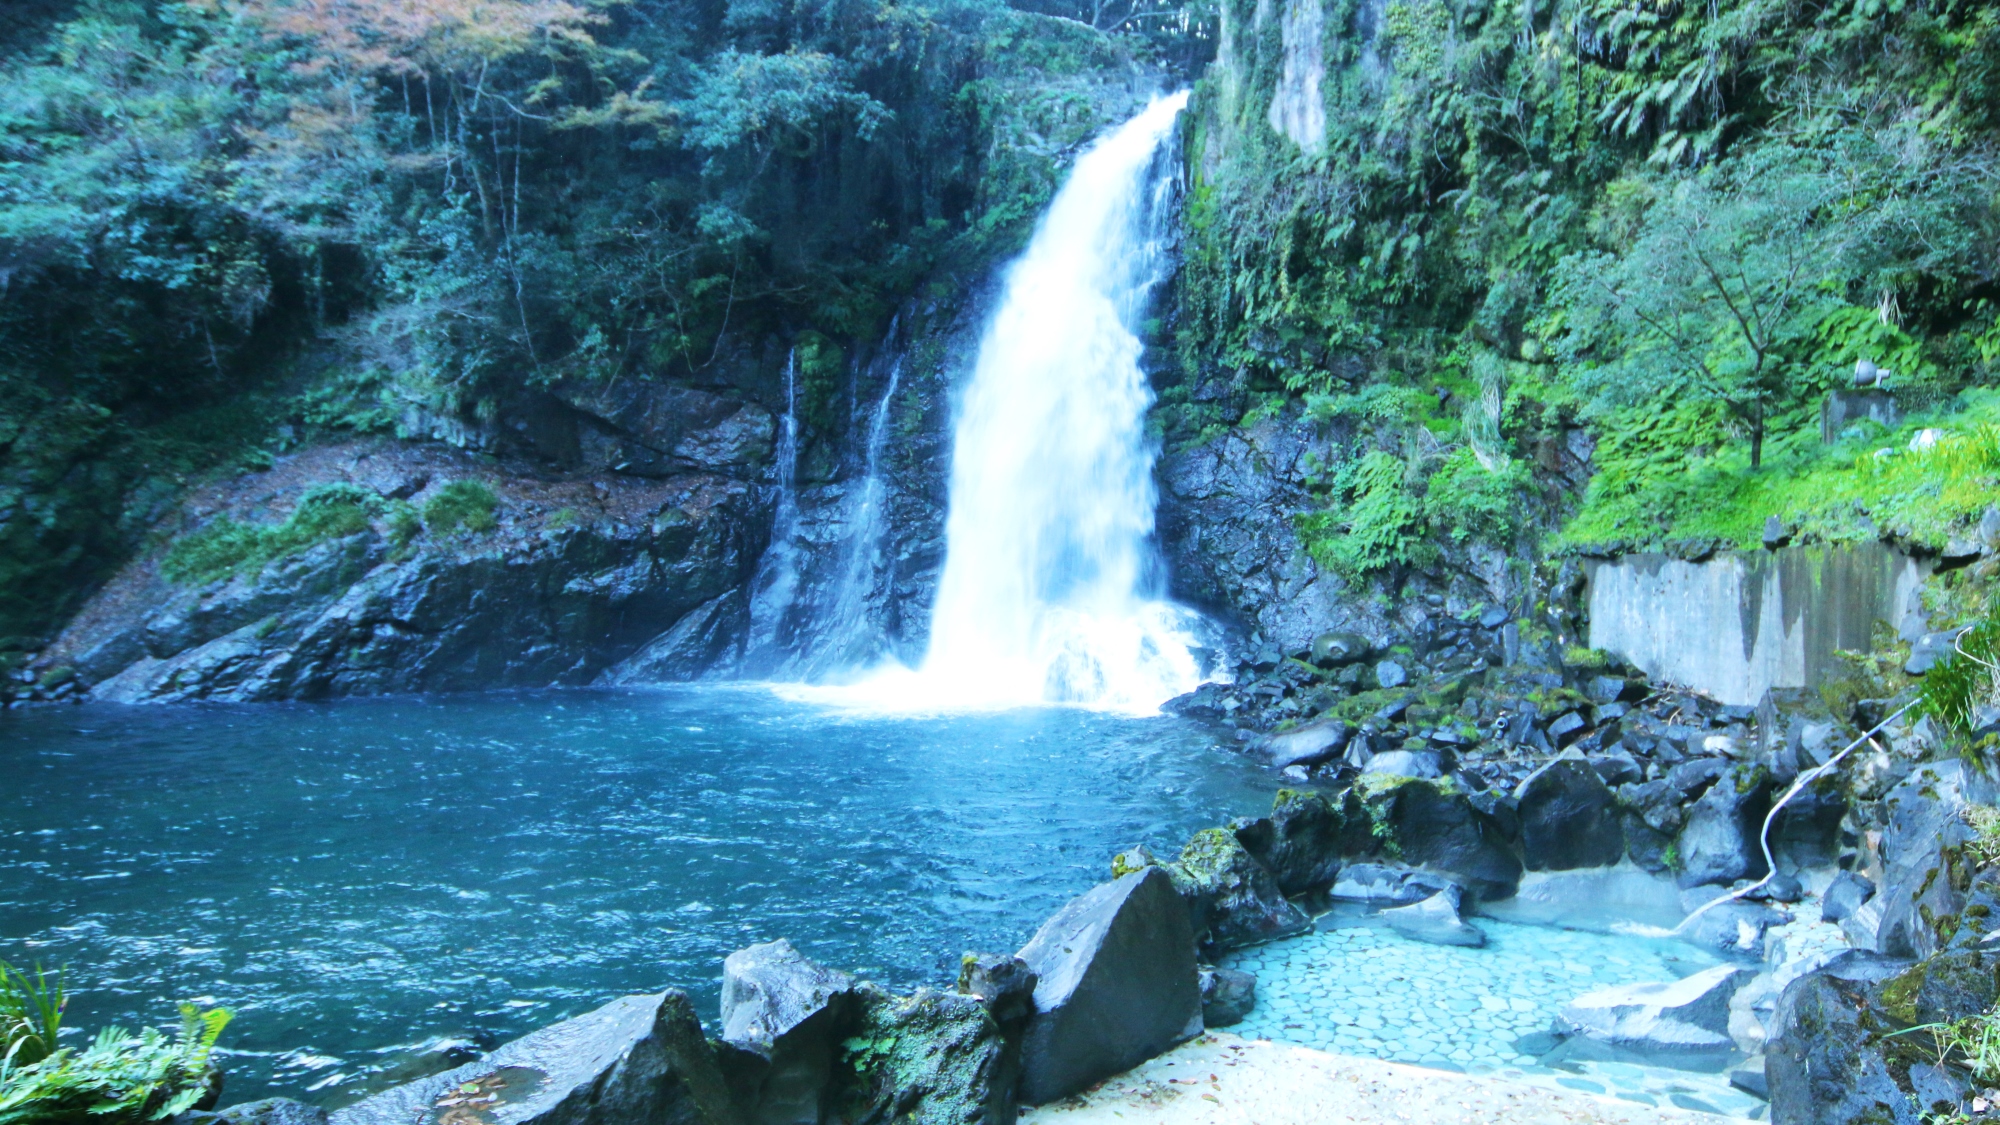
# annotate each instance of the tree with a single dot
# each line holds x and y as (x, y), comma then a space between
(1721, 280)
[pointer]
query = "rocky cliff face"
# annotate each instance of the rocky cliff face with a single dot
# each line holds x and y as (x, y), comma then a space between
(1228, 531)
(574, 576)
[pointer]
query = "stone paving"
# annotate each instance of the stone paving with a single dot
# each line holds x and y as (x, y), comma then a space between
(1354, 987)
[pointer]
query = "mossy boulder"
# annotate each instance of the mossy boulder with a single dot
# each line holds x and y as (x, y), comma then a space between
(1720, 841)
(1241, 901)
(1307, 837)
(1823, 1063)
(935, 1058)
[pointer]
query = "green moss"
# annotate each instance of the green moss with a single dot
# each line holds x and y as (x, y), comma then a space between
(467, 504)
(226, 546)
(1588, 659)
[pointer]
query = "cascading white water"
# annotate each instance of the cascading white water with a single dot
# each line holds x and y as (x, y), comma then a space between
(1044, 595)
(777, 580)
(853, 640)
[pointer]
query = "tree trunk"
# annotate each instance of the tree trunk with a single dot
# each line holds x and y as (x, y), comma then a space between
(1757, 434)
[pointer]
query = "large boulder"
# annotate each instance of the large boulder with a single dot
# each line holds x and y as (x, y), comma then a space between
(1237, 900)
(935, 1058)
(1720, 841)
(780, 1008)
(1834, 1055)
(1307, 837)
(1435, 920)
(1569, 817)
(1690, 1015)
(639, 1059)
(1115, 985)
(1438, 826)
(1925, 874)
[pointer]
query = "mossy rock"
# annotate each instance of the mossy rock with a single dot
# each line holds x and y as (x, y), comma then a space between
(935, 1058)
(1308, 837)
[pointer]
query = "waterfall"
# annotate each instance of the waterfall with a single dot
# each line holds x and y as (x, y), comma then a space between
(776, 584)
(857, 641)
(1048, 592)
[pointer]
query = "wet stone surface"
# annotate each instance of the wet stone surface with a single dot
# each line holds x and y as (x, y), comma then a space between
(1355, 987)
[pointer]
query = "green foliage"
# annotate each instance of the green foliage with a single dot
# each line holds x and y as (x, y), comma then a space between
(227, 546)
(1677, 225)
(1378, 519)
(467, 504)
(30, 1014)
(1674, 479)
(1379, 523)
(119, 1078)
(1731, 286)
(412, 215)
(1969, 679)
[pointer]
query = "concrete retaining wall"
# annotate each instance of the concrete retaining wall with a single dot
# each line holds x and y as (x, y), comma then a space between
(1738, 624)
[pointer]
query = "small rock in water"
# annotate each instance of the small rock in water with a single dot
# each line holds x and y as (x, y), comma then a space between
(1227, 995)
(1689, 1015)
(1436, 920)
(1375, 882)
(1844, 896)
(1390, 674)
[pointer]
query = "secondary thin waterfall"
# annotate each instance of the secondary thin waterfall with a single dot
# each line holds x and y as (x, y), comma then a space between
(1045, 595)
(776, 584)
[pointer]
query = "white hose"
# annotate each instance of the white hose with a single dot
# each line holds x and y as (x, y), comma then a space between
(1764, 838)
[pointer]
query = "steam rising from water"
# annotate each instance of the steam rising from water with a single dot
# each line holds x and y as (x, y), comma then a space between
(1048, 588)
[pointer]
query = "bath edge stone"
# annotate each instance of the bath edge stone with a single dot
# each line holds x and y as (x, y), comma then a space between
(1116, 985)
(639, 1060)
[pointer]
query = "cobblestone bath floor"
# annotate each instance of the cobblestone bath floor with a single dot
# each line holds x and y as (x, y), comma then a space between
(1355, 987)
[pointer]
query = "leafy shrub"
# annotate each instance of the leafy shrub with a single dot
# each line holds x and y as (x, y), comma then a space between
(30, 1014)
(462, 503)
(1381, 525)
(227, 546)
(120, 1078)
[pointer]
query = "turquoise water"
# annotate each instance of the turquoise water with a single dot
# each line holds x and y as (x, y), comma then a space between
(372, 884)
(1355, 987)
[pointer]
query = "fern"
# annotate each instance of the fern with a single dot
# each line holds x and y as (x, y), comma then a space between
(120, 1078)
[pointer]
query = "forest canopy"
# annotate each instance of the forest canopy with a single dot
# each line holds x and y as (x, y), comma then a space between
(401, 216)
